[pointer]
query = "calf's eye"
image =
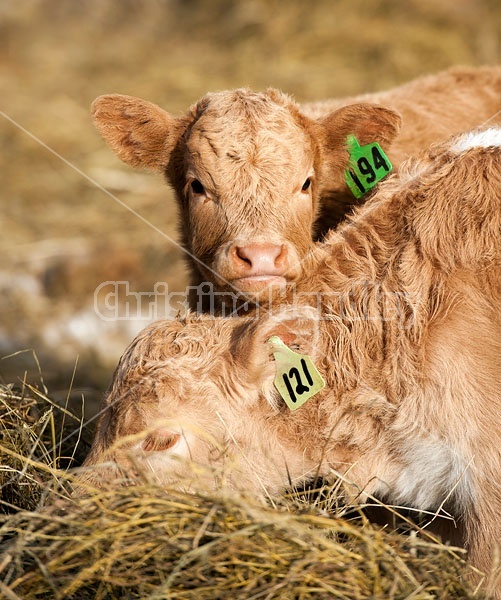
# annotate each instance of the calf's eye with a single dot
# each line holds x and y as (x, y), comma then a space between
(197, 187)
(306, 185)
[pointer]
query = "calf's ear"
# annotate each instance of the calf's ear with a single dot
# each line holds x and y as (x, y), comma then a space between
(367, 122)
(141, 133)
(297, 327)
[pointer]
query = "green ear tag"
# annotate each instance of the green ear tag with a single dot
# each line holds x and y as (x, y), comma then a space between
(368, 165)
(297, 378)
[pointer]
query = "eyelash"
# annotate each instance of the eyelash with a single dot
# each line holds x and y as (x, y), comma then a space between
(160, 442)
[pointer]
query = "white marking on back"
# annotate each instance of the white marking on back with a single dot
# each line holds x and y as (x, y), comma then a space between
(478, 139)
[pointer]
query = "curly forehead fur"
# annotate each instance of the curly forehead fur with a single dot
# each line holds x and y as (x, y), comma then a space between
(171, 359)
(174, 343)
(246, 144)
(245, 104)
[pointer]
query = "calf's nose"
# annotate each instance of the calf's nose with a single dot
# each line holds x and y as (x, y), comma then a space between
(259, 259)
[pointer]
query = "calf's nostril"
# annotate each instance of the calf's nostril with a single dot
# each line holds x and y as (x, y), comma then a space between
(242, 254)
(281, 258)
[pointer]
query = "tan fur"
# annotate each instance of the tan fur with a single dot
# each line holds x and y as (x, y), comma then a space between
(253, 152)
(404, 327)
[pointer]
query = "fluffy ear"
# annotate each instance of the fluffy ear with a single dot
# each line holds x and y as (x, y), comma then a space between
(139, 132)
(367, 122)
(297, 327)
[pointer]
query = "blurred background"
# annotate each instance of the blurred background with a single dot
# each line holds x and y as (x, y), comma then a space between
(63, 235)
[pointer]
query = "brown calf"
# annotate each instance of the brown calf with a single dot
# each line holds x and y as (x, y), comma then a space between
(253, 171)
(404, 327)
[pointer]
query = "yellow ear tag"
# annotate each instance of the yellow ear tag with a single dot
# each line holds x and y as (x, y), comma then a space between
(297, 378)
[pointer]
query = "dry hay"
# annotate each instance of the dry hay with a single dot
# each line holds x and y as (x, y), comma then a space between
(38, 438)
(147, 542)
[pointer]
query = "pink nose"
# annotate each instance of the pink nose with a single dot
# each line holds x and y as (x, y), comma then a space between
(259, 259)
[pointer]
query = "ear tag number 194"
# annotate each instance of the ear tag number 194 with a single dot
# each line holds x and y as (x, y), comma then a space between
(297, 378)
(368, 165)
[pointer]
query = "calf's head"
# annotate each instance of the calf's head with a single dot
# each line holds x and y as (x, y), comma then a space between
(194, 399)
(249, 171)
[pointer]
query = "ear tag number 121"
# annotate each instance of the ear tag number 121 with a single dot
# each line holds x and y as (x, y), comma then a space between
(368, 165)
(297, 378)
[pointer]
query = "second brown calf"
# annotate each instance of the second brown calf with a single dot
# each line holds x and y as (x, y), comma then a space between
(405, 328)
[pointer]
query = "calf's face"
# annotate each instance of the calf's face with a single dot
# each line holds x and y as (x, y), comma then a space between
(249, 193)
(194, 401)
(249, 171)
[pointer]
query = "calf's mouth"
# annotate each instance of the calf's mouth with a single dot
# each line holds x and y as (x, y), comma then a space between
(259, 283)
